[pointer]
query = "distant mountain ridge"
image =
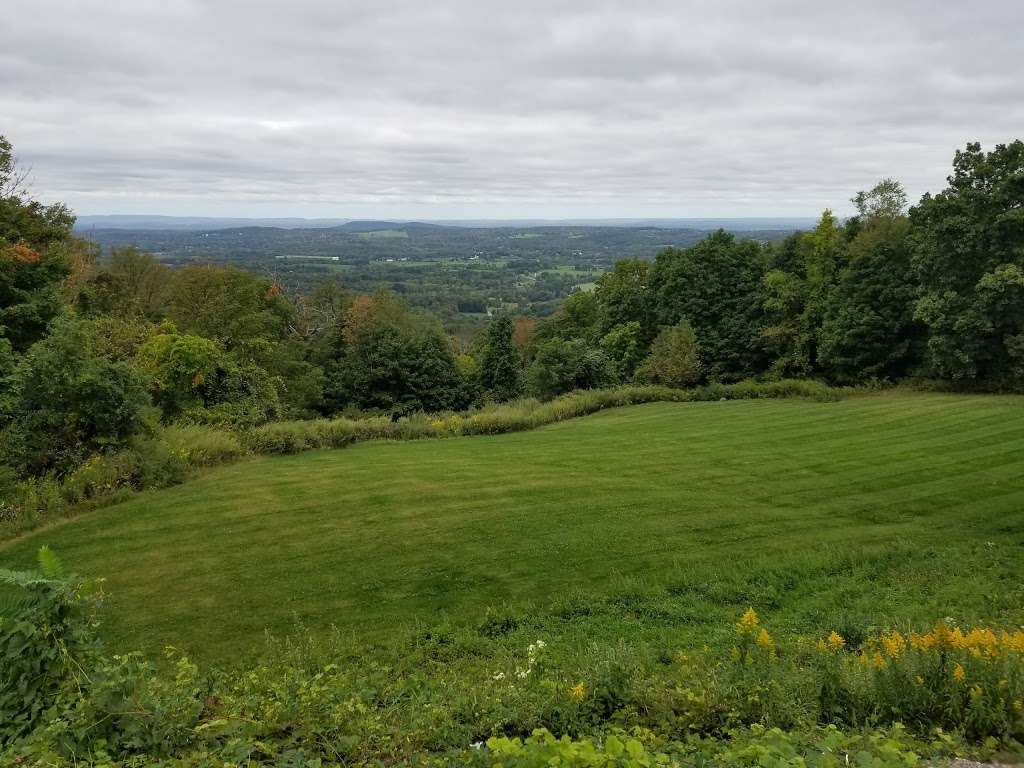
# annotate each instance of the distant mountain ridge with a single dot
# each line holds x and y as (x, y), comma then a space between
(210, 223)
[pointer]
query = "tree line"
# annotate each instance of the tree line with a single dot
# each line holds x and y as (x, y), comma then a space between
(98, 349)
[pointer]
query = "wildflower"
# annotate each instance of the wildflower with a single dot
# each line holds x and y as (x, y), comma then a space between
(878, 660)
(748, 623)
(894, 644)
(766, 641)
(1014, 642)
(578, 691)
(499, 676)
(976, 692)
(836, 642)
(958, 673)
(919, 680)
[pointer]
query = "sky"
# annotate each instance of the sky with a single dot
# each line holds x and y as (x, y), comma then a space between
(480, 109)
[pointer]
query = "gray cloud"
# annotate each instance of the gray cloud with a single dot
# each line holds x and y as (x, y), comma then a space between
(448, 109)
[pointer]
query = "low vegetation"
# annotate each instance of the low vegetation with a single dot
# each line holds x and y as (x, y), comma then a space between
(479, 697)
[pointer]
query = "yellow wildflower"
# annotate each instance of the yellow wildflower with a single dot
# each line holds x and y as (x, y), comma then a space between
(894, 644)
(748, 623)
(878, 660)
(766, 641)
(958, 673)
(919, 680)
(578, 691)
(836, 642)
(1014, 642)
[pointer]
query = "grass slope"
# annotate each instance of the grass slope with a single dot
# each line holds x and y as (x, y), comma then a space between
(656, 520)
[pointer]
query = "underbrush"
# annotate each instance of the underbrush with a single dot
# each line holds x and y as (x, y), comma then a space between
(506, 692)
(173, 452)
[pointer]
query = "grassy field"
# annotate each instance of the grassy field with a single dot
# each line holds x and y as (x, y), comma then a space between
(662, 520)
(384, 234)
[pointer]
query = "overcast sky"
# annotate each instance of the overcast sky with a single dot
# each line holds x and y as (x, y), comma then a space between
(433, 109)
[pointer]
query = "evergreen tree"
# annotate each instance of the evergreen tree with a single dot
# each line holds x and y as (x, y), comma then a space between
(501, 363)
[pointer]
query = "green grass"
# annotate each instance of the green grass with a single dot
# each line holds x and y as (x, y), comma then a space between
(657, 521)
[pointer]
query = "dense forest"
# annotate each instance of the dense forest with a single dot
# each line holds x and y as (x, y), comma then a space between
(96, 352)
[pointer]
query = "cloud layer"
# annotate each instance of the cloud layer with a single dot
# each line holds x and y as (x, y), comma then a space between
(449, 109)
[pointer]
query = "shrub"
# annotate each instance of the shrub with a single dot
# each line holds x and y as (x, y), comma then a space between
(674, 359)
(47, 643)
(201, 445)
(71, 402)
(284, 437)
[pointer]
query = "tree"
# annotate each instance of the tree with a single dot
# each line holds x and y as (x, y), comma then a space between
(144, 279)
(886, 200)
(8, 367)
(868, 329)
(501, 364)
(523, 331)
(23, 220)
(70, 402)
(797, 291)
(388, 358)
(195, 377)
(716, 285)
(624, 296)
(32, 264)
(967, 255)
(181, 368)
(624, 346)
(577, 318)
(674, 359)
(562, 365)
(227, 304)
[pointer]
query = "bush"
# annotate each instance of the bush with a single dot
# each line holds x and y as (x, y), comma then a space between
(288, 436)
(201, 446)
(674, 359)
(71, 402)
(47, 644)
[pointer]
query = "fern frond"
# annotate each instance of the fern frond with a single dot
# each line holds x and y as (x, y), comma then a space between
(50, 564)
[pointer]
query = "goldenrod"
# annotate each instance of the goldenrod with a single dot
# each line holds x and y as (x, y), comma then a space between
(748, 623)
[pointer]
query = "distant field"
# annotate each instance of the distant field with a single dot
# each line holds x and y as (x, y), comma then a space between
(379, 234)
(661, 520)
(571, 269)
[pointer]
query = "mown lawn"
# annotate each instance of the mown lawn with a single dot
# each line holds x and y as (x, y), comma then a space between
(654, 521)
